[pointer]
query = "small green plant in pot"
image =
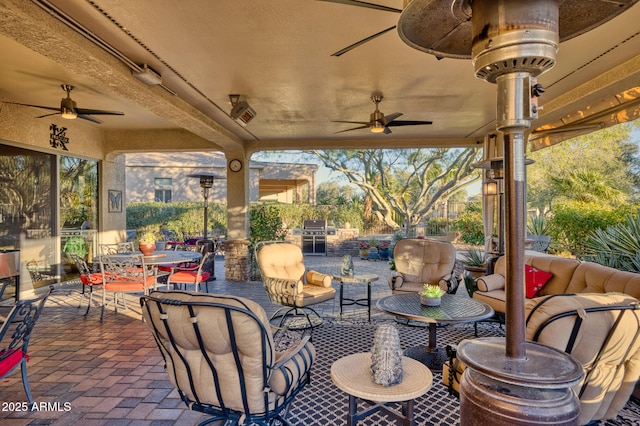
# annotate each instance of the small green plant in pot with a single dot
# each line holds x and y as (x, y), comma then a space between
(474, 262)
(147, 241)
(431, 295)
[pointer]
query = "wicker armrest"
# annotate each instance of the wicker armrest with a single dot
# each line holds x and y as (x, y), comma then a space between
(396, 280)
(292, 366)
(283, 287)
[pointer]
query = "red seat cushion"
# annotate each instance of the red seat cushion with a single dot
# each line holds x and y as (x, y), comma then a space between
(535, 280)
(128, 284)
(9, 359)
(188, 277)
(92, 279)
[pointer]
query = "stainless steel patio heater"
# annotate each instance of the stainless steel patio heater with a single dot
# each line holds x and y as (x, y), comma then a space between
(206, 183)
(509, 381)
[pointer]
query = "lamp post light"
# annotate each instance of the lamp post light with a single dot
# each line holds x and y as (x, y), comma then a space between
(206, 183)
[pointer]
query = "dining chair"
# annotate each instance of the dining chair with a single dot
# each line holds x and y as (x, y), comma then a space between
(88, 279)
(190, 273)
(15, 335)
(123, 273)
(115, 248)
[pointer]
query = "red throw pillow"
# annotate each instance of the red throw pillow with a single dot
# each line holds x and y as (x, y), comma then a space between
(535, 280)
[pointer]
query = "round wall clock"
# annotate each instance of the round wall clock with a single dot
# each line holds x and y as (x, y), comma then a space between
(235, 165)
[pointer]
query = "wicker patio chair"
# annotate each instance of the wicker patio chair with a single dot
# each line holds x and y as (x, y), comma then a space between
(288, 283)
(220, 355)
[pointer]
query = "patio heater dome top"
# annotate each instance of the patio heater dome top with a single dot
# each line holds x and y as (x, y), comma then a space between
(444, 27)
(206, 179)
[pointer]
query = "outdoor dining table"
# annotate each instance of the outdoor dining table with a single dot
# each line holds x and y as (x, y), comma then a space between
(165, 258)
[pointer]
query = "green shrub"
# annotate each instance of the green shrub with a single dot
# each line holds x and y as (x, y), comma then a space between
(470, 224)
(617, 246)
(572, 222)
(181, 219)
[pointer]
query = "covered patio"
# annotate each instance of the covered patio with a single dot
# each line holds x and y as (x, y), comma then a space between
(113, 374)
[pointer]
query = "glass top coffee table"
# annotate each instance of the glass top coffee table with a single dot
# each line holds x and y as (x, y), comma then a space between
(453, 309)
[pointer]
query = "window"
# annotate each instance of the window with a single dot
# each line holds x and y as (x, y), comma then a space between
(163, 195)
(162, 190)
(162, 182)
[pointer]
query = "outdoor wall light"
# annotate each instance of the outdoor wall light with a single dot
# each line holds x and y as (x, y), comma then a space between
(490, 187)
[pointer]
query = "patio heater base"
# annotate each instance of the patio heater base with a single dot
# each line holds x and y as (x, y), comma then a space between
(501, 391)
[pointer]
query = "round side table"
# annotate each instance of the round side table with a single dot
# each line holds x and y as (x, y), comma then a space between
(352, 374)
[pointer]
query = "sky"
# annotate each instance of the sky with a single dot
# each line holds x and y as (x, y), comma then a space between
(327, 175)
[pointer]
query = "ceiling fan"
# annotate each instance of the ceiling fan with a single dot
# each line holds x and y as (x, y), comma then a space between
(379, 123)
(68, 108)
(369, 6)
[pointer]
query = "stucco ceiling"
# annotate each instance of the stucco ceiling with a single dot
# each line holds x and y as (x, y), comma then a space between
(276, 55)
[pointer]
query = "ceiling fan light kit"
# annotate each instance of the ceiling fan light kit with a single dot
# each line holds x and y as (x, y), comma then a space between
(378, 122)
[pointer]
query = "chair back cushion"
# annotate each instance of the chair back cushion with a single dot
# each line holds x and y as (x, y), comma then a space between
(611, 362)
(592, 277)
(236, 346)
(561, 268)
(281, 260)
(424, 260)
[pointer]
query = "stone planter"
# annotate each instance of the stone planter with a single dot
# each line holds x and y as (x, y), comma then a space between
(430, 301)
(147, 248)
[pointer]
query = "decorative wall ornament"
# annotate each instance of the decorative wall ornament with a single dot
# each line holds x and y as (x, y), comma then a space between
(346, 269)
(58, 137)
(115, 201)
(386, 356)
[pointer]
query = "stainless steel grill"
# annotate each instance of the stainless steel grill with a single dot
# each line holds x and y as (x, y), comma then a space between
(10, 268)
(314, 237)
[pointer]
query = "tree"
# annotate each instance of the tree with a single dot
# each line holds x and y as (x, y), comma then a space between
(330, 193)
(602, 166)
(406, 184)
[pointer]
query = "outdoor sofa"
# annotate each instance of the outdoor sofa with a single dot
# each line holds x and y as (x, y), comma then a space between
(547, 275)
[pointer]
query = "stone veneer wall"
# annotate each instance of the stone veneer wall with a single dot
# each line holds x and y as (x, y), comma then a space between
(236, 260)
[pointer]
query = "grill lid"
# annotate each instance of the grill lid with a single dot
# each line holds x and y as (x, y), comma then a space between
(315, 224)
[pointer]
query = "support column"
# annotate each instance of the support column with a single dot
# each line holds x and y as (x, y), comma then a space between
(236, 245)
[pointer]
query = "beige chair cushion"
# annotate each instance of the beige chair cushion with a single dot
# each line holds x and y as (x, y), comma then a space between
(217, 342)
(283, 273)
(419, 261)
(611, 383)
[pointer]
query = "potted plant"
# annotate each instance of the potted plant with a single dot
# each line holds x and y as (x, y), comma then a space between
(147, 242)
(383, 251)
(373, 249)
(364, 250)
(474, 263)
(431, 295)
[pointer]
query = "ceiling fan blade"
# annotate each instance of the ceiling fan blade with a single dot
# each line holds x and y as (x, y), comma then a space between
(48, 115)
(355, 128)
(36, 106)
(361, 42)
(364, 4)
(351, 122)
(389, 118)
(386, 130)
(89, 118)
(86, 111)
(408, 123)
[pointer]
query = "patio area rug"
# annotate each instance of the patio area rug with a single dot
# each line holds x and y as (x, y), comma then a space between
(321, 403)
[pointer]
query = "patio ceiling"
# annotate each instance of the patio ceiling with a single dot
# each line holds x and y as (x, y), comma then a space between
(277, 56)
